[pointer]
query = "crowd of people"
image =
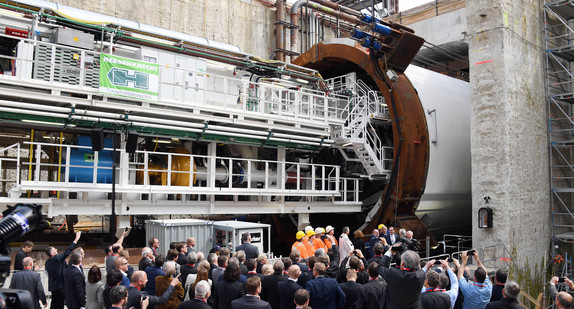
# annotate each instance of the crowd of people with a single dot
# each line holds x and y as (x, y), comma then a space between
(322, 272)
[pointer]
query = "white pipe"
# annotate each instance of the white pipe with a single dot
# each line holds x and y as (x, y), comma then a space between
(96, 18)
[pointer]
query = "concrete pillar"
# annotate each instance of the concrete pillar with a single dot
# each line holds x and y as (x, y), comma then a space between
(508, 126)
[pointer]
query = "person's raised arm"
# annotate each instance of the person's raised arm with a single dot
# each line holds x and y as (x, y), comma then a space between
(121, 239)
(78, 234)
(464, 258)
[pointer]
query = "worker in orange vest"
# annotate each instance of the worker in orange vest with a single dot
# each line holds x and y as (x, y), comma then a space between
(318, 241)
(330, 231)
(299, 245)
(309, 244)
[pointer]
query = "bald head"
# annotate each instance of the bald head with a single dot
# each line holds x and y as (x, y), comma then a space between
(294, 271)
(138, 275)
(27, 262)
(563, 300)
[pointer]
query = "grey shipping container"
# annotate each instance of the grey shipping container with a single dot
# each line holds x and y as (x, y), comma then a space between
(170, 230)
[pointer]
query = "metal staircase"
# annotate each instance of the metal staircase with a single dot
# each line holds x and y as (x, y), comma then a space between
(358, 139)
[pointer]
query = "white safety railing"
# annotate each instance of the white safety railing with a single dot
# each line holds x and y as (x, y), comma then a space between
(6, 170)
(83, 170)
(78, 71)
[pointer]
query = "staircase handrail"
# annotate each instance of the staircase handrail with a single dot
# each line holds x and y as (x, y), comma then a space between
(17, 160)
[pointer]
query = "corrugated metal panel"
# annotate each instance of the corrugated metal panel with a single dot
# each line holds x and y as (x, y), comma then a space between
(178, 230)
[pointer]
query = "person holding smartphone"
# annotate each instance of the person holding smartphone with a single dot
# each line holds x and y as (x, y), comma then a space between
(477, 292)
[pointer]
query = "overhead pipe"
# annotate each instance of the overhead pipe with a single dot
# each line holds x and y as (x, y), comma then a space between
(279, 30)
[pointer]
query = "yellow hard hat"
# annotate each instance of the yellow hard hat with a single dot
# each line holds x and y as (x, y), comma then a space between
(300, 235)
(310, 233)
(381, 226)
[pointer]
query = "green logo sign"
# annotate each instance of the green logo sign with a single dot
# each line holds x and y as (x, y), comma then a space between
(129, 78)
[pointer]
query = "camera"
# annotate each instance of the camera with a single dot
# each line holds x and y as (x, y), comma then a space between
(143, 296)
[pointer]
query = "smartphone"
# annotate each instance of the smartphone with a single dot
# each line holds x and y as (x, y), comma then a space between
(471, 253)
(561, 280)
(450, 260)
(437, 262)
(395, 249)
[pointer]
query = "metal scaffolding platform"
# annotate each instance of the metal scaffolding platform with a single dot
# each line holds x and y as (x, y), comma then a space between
(560, 97)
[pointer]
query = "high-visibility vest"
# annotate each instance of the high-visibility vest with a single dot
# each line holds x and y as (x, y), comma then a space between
(318, 243)
(329, 244)
(299, 246)
(310, 248)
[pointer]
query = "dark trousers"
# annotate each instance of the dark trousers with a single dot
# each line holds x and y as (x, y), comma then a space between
(58, 299)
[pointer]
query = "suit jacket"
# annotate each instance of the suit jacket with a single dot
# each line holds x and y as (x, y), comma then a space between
(110, 260)
(269, 289)
(351, 290)
(388, 238)
(134, 297)
(403, 286)
(249, 302)
(144, 263)
(161, 285)
(30, 281)
(226, 292)
(243, 268)
(248, 275)
(181, 259)
(194, 304)
(503, 304)
(55, 267)
(435, 300)
(251, 252)
(372, 295)
(325, 293)
(75, 285)
(286, 290)
(152, 273)
(496, 292)
(186, 270)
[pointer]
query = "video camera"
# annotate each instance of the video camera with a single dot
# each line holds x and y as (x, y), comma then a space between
(18, 220)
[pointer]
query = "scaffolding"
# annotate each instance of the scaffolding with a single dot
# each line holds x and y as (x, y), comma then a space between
(559, 38)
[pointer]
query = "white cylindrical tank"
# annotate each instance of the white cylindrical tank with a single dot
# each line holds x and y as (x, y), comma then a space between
(446, 102)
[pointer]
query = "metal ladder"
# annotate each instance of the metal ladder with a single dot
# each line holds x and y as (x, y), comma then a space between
(358, 132)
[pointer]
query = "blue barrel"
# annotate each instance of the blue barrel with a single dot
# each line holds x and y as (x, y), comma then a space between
(83, 161)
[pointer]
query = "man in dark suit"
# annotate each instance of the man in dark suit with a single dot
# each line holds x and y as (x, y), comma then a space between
(251, 300)
(433, 298)
(251, 252)
(391, 237)
(240, 255)
(152, 273)
(372, 295)
(55, 267)
(509, 297)
(325, 292)
(189, 267)
(24, 251)
(499, 282)
(404, 284)
(29, 280)
(251, 265)
(75, 283)
(202, 293)
(269, 285)
(147, 259)
(351, 289)
(286, 289)
(138, 282)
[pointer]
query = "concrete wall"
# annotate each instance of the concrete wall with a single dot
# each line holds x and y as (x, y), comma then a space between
(247, 24)
(508, 125)
(446, 28)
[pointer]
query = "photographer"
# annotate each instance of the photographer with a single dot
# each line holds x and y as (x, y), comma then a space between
(477, 293)
(139, 280)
